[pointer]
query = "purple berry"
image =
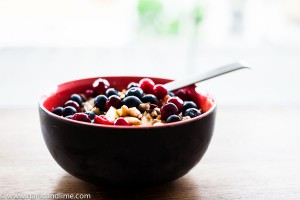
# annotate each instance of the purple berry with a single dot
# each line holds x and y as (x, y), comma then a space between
(73, 104)
(167, 110)
(177, 101)
(114, 101)
(182, 94)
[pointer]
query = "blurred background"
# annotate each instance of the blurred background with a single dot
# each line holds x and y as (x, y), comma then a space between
(43, 43)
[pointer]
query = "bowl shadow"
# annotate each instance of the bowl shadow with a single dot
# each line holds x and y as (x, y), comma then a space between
(183, 188)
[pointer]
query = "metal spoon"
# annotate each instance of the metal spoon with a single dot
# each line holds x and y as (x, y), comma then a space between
(177, 84)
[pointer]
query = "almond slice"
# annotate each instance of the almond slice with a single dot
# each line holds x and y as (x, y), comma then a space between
(134, 112)
(112, 113)
(147, 120)
(133, 120)
(123, 111)
(96, 111)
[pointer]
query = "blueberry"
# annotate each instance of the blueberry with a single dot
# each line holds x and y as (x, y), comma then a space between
(149, 98)
(100, 102)
(173, 118)
(90, 114)
(111, 91)
(69, 110)
(187, 105)
(77, 98)
(192, 112)
(58, 111)
(132, 84)
(131, 101)
(69, 116)
(135, 91)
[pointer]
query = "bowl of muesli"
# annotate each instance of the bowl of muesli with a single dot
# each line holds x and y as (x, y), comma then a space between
(126, 131)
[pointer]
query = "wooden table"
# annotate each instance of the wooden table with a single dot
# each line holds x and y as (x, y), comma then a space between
(254, 154)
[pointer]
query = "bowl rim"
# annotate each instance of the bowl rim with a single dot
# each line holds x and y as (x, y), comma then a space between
(52, 91)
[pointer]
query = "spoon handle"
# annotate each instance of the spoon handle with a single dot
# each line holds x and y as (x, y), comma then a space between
(177, 84)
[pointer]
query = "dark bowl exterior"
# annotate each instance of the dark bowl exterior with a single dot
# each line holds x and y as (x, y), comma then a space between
(111, 156)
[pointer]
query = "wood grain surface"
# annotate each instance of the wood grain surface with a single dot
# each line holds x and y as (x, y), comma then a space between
(254, 154)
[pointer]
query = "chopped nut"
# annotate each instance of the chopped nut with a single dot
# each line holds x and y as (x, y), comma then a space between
(134, 112)
(133, 120)
(147, 119)
(83, 97)
(144, 107)
(157, 110)
(186, 118)
(88, 105)
(152, 106)
(123, 111)
(158, 124)
(148, 116)
(165, 99)
(121, 95)
(154, 114)
(112, 113)
(156, 120)
(96, 111)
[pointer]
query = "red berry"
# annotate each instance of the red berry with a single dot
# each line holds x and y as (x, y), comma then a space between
(73, 104)
(168, 110)
(177, 101)
(114, 101)
(89, 93)
(160, 91)
(81, 117)
(122, 122)
(102, 119)
(100, 85)
(147, 85)
(206, 102)
(182, 94)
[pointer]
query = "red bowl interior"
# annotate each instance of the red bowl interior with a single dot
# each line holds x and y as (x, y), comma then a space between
(60, 94)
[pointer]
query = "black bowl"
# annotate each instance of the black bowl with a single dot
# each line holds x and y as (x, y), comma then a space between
(122, 156)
